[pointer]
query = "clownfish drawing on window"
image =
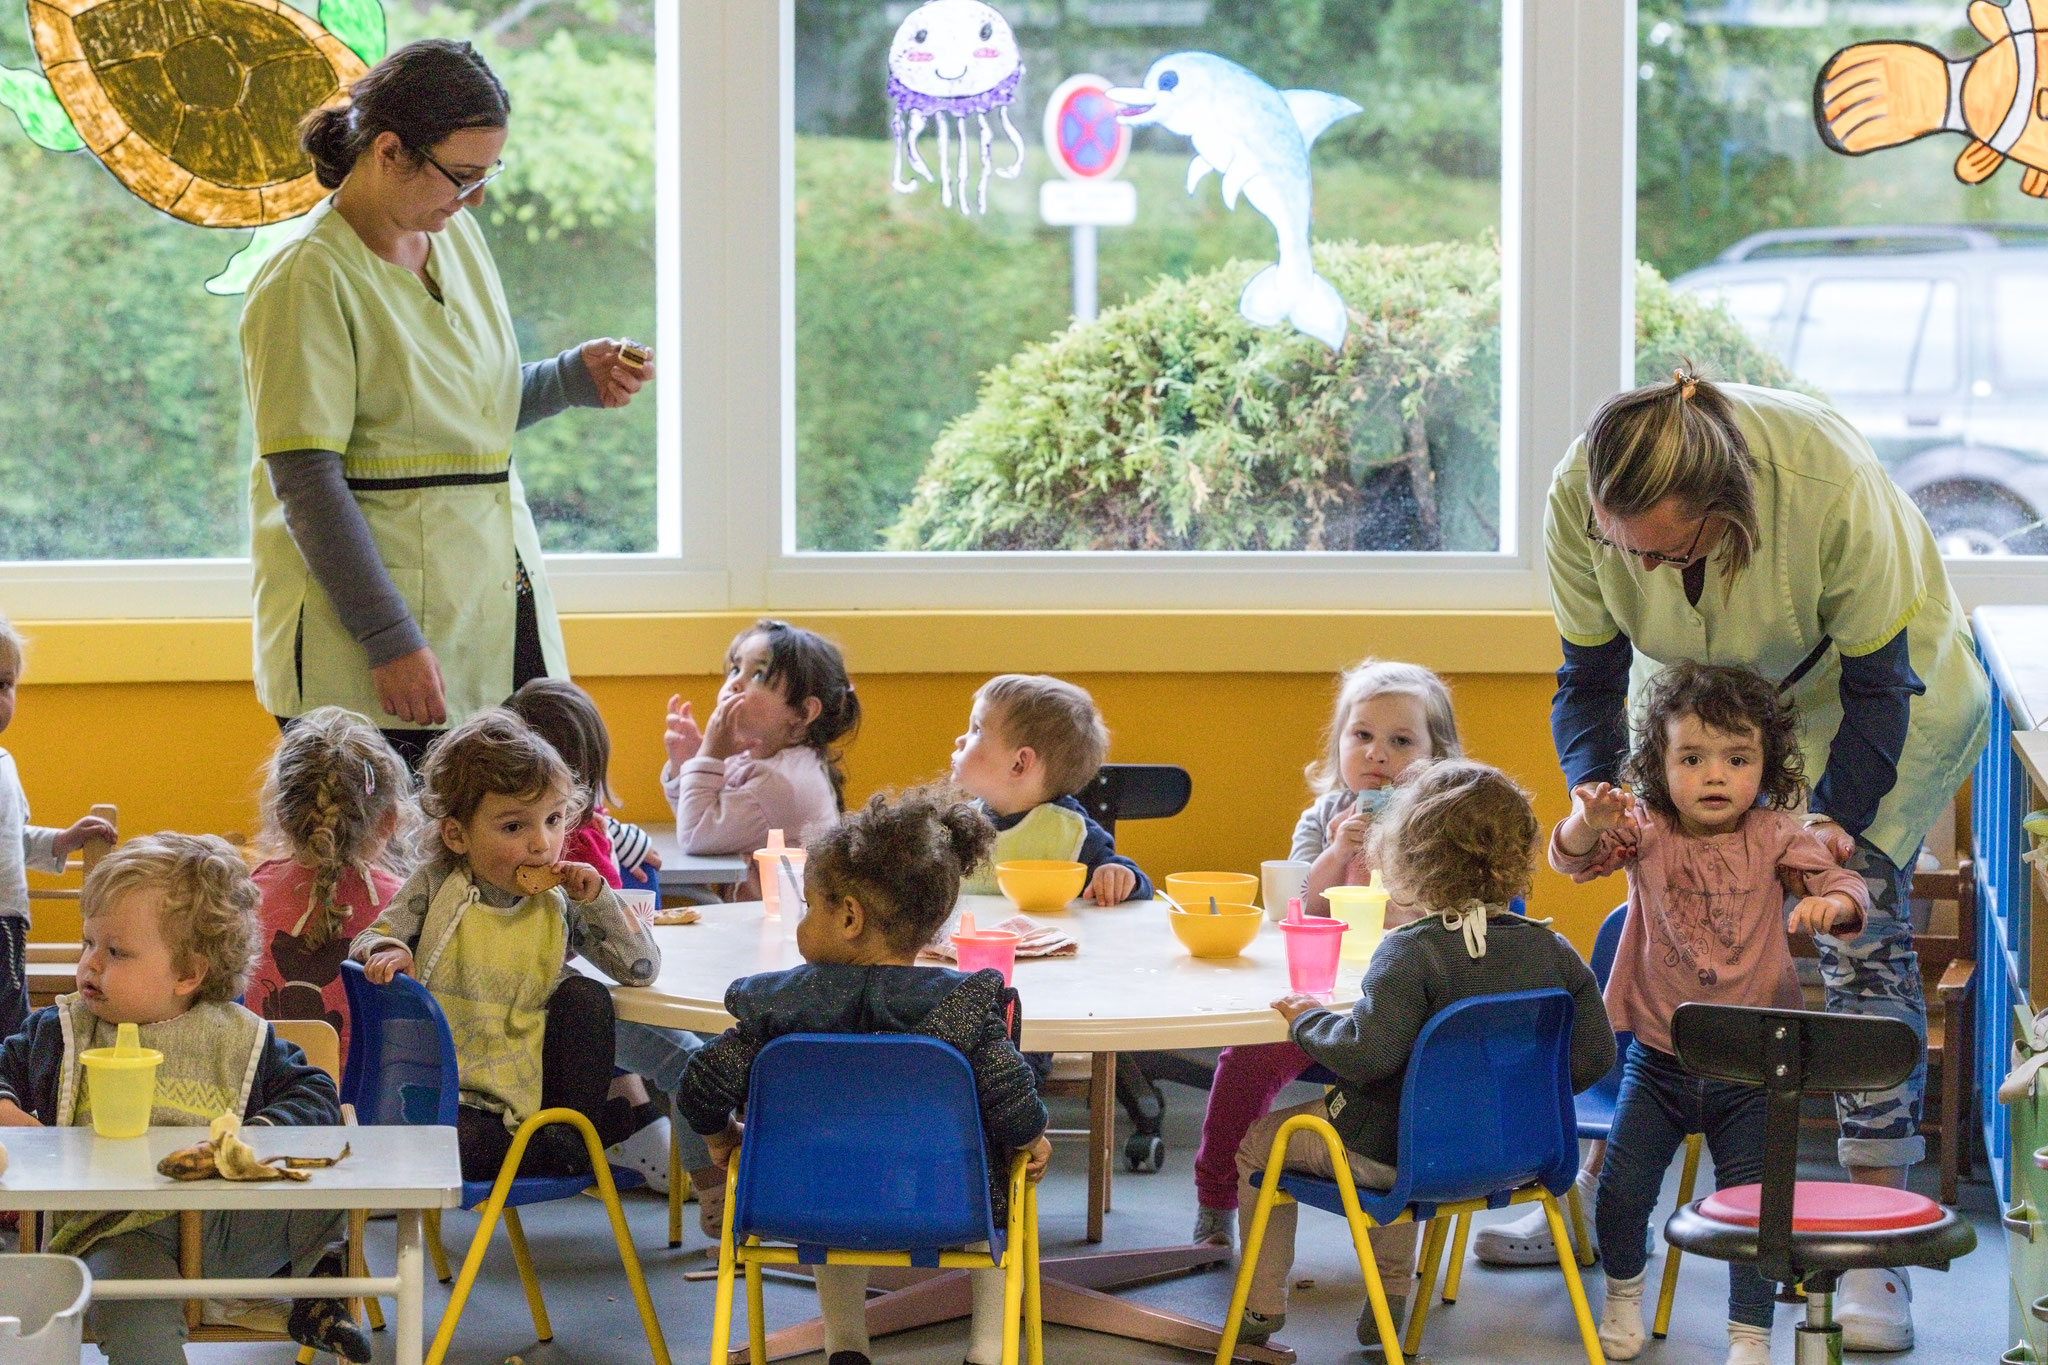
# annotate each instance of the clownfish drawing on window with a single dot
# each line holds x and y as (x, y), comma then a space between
(1877, 95)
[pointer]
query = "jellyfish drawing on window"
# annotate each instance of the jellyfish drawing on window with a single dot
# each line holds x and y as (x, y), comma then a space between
(953, 59)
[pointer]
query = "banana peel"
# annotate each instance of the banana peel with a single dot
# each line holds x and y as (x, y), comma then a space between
(227, 1155)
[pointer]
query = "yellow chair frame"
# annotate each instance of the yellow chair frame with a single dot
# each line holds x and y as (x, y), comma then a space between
(1361, 1224)
(494, 1206)
(1667, 1291)
(1019, 1264)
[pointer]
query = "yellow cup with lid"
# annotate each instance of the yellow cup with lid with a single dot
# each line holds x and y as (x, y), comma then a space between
(121, 1082)
(1364, 908)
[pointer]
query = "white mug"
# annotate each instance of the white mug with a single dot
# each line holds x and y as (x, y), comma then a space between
(1280, 880)
(641, 905)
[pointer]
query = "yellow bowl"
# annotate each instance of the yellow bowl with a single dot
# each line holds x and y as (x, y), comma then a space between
(1223, 934)
(1193, 889)
(1040, 883)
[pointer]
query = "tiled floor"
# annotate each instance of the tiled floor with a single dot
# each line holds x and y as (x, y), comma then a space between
(1520, 1316)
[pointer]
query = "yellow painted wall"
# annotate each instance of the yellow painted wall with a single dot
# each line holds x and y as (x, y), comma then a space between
(186, 754)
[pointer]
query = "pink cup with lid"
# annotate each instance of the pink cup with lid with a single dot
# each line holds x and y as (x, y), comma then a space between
(1313, 946)
(981, 949)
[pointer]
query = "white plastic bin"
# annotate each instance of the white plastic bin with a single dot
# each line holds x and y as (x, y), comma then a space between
(42, 1309)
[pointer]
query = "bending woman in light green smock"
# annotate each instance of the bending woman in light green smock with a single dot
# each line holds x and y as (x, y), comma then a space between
(1740, 525)
(397, 569)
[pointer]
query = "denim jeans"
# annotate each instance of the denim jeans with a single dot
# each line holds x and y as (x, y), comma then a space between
(659, 1056)
(1659, 1104)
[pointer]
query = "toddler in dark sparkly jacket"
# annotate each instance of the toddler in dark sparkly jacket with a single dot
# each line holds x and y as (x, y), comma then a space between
(879, 885)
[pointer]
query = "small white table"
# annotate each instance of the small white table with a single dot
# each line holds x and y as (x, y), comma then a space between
(403, 1168)
(680, 869)
(1132, 987)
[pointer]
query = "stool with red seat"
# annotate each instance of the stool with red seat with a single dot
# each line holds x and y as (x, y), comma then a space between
(1803, 1234)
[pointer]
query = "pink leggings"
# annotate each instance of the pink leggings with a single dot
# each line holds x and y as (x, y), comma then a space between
(1248, 1080)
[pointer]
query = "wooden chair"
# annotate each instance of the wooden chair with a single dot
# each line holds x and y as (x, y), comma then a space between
(322, 1046)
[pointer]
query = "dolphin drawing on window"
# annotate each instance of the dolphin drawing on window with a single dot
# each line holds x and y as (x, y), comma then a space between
(1257, 138)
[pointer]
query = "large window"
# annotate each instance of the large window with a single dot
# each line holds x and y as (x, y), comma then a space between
(1916, 303)
(123, 433)
(946, 398)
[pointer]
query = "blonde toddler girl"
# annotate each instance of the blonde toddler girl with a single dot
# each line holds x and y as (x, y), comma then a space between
(1390, 716)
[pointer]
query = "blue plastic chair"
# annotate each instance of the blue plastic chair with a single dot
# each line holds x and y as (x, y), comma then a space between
(1486, 1121)
(867, 1149)
(402, 1069)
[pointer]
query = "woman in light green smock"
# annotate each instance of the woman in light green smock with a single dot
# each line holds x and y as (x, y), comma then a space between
(1740, 525)
(397, 569)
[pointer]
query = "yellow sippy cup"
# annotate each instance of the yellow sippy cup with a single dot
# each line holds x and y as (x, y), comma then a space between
(123, 1084)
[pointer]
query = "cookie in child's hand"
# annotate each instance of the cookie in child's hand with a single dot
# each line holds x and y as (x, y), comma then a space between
(634, 354)
(535, 879)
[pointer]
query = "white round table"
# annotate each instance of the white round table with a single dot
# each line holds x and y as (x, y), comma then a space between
(1131, 987)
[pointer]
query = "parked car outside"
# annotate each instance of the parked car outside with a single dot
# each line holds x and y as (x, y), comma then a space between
(1933, 340)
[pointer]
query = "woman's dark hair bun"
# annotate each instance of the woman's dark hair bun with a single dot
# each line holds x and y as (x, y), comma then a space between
(422, 92)
(324, 135)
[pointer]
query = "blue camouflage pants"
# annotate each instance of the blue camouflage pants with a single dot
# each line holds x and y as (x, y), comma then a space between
(1878, 973)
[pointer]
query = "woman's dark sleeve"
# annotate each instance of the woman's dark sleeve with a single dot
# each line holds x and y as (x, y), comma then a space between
(329, 528)
(1863, 762)
(546, 387)
(1589, 712)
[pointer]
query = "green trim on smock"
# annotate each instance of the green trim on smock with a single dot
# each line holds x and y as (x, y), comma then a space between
(1842, 552)
(344, 351)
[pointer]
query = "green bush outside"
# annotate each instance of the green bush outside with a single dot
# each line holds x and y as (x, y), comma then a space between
(902, 307)
(1173, 424)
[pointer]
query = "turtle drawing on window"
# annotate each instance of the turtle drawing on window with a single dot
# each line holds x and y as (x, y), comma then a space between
(194, 107)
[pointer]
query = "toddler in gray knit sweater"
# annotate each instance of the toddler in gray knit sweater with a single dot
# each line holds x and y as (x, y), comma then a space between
(1458, 842)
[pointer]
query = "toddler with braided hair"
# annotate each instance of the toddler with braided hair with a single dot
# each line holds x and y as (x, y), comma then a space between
(334, 800)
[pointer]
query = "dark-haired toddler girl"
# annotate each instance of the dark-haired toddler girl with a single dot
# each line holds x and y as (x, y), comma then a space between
(1717, 774)
(765, 759)
(879, 885)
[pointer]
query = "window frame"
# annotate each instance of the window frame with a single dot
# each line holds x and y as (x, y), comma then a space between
(725, 281)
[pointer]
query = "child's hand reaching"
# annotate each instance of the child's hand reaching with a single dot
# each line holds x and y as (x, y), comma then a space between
(1292, 1007)
(682, 739)
(13, 1115)
(1603, 806)
(1111, 883)
(1822, 914)
(386, 963)
(1597, 807)
(84, 832)
(1037, 1157)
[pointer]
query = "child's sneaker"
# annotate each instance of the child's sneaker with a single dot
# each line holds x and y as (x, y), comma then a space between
(1255, 1329)
(1526, 1240)
(1875, 1308)
(1748, 1345)
(324, 1324)
(1215, 1227)
(646, 1152)
(1621, 1318)
(1369, 1331)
